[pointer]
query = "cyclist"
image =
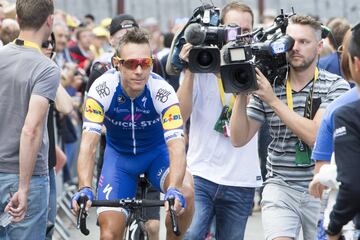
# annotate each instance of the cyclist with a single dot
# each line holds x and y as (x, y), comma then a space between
(144, 135)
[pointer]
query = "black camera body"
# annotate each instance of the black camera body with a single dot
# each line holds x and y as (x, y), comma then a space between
(208, 37)
(239, 58)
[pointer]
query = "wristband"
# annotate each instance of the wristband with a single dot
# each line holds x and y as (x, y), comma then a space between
(87, 191)
(174, 192)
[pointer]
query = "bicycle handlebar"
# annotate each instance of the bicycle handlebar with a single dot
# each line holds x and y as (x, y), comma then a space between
(129, 203)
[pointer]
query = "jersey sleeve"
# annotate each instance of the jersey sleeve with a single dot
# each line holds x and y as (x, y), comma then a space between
(323, 147)
(166, 104)
(98, 101)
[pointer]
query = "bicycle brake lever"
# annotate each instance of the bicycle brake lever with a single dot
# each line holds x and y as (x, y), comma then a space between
(174, 222)
(81, 219)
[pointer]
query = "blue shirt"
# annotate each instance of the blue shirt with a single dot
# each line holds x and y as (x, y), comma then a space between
(331, 63)
(324, 146)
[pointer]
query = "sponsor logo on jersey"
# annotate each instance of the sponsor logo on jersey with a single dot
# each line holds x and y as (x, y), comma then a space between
(137, 116)
(341, 131)
(121, 99)
(102, 90)
(93, 111)
(162, 95)
(143, 100)
(172, 118)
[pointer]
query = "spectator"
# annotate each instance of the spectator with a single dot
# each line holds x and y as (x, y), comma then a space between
(338, 27)
(24, 106)
(9, 30)
(346, 146)
(287, 206)
(81, 53)
(63, 104)
(224, 177)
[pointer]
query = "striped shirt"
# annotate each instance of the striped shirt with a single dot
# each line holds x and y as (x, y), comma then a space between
(281, 151)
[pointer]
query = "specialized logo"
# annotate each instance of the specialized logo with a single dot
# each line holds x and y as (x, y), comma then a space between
(93, 111)
(107, 190)
(162, 95)
(172, 118)
(143, 100)
(102, 90)
(121, 99)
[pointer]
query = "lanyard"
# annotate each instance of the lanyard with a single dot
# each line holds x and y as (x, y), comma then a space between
(289, 90)
(222, 96)
(27, 44)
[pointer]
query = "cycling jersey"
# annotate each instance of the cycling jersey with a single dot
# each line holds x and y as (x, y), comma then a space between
(133, 125)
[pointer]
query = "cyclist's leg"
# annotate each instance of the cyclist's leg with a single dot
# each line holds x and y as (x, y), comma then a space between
(204, 209)
(233, 205)
(158, 176)
(117, 181)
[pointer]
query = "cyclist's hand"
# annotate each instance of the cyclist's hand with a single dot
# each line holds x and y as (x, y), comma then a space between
(180, 203)
(85, 191)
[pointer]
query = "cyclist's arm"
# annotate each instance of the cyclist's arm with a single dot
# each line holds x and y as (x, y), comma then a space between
(86, 158)
(176, 149)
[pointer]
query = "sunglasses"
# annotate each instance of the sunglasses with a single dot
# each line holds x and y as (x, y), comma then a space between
(47, 44)
(133, 63)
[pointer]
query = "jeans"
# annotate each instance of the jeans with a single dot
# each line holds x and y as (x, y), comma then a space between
(231, 206)
(52, 205)
(33, 226)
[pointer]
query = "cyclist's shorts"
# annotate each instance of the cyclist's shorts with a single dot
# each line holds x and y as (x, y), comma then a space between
(120, 172)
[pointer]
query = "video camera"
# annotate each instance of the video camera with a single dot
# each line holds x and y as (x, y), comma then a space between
(207, 37)
(267, 51)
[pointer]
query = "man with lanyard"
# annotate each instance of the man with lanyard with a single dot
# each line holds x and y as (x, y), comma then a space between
(28, 84)
(144, 135)
(293, 109)
(225, 178)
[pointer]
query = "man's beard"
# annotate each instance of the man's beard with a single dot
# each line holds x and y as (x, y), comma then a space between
(303, 65)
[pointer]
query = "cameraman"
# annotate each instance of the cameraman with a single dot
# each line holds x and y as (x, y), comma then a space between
(293, 110)
(225, 178)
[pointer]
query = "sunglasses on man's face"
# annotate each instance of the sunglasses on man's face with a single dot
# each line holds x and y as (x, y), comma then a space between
(133, 63)
(47, 44)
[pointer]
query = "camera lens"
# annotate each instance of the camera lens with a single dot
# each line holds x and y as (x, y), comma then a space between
(204, 58)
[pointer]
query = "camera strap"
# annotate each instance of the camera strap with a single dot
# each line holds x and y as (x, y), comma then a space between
(222, 95)
(27, 44)
(302, 150)
(222, 124)
(289, 90)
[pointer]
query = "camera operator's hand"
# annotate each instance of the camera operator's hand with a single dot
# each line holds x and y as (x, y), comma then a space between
(265, 91)
(184, 53)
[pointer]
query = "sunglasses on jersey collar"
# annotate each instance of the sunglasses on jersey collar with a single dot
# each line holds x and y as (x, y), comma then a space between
(133, 63)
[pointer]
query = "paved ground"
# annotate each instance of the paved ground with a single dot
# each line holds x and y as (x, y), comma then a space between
(253, 230)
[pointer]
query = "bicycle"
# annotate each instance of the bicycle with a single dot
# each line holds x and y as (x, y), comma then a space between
(135, 227)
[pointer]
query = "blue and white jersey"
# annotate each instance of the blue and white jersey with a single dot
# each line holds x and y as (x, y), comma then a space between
(133, 125)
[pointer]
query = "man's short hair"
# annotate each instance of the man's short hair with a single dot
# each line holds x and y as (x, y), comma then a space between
(136, 35)
(32, 14)
(309, 21)
(338, 27)
(236, 5)
(354, 44)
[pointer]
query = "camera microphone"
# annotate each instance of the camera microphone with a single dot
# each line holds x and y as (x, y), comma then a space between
(194, 34)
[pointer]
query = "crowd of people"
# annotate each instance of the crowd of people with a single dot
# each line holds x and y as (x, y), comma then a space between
(77, 96)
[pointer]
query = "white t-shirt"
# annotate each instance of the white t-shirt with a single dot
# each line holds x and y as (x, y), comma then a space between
(211, 155)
